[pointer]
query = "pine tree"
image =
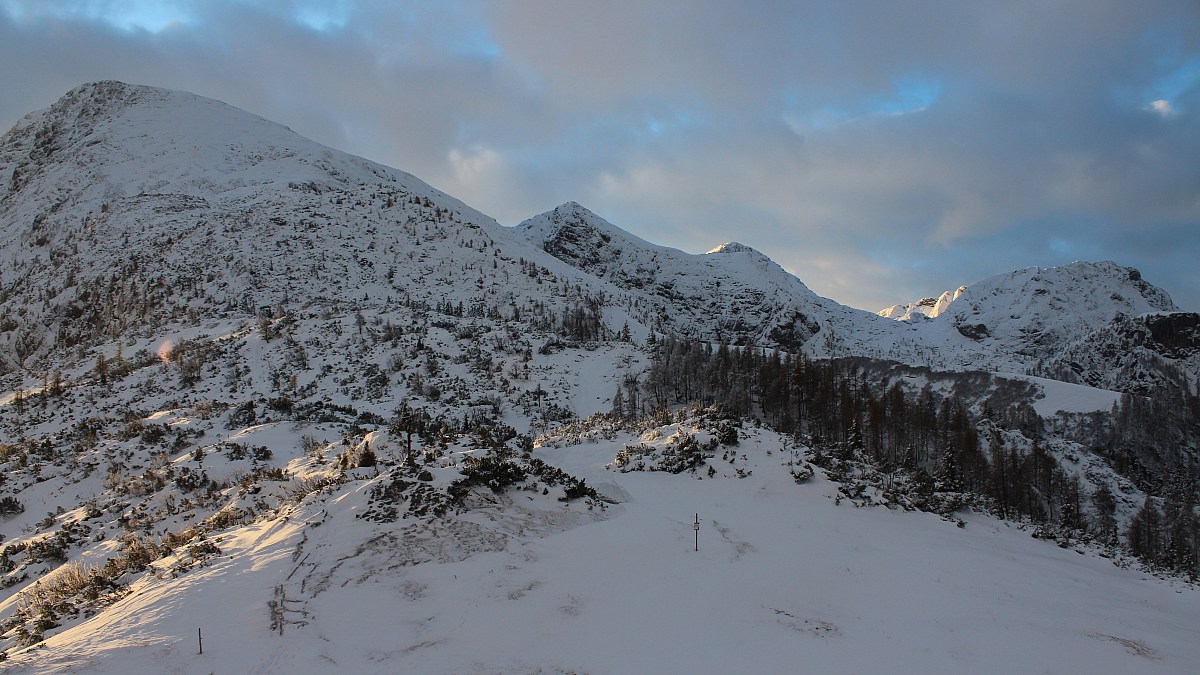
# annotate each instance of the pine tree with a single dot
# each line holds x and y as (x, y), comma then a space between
(1145, 533)
(1104, 522)
(101, 369)
(632, 405)
(618, 404)
(948, 477)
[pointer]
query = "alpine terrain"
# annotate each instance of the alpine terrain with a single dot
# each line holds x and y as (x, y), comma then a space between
(269, 407)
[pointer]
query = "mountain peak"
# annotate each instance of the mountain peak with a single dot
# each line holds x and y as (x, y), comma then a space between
(1104, 283)
(1102, 286)
(106, 141)
(574, 230)
(735, 247)
(80, 109)
(573, 207)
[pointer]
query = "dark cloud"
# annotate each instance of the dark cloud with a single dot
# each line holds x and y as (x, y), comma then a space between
(879, 150)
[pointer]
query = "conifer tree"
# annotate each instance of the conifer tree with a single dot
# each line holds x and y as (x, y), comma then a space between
(1145, 532)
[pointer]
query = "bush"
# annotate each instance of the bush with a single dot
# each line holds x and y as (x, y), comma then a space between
(492, 470)
(579, 488)
(282, 405)
(726, 434)
(9, 506)
(367, 458)
(242, 416)
(802, 473)
(153, 434)
(51, 549)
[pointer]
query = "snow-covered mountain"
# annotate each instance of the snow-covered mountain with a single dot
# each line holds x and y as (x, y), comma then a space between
(1053, 320)
(121, 197)
(732, 294)
(1015, 322)
(335, 418)
(927, 308)
(220, 210)
(1026, 310)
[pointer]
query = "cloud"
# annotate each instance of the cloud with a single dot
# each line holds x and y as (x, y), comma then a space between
(1162, 107)
(879, 150)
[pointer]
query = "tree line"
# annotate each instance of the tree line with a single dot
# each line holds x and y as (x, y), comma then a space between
(968, 433)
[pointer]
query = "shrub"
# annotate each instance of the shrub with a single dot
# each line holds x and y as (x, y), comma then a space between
(367, 458)
(9, 506)
(492, 470)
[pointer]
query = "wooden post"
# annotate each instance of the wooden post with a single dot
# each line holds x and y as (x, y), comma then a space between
(696, 527)
(200, 637)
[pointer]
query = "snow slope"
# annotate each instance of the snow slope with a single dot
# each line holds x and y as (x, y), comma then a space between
(784, 580)
(1057, 396)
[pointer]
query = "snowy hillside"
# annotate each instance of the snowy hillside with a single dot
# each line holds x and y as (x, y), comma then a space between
(125, 207)
(784, 578)
(1136, 354)
(334, 418)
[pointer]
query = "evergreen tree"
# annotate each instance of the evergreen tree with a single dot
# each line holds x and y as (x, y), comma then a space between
(618, 404)
(1145, 533)
(1104, 523)
(101, 368)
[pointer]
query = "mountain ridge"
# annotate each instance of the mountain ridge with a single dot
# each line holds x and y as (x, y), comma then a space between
(186, 173)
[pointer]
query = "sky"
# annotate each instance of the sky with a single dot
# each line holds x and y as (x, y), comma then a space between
(881, 151)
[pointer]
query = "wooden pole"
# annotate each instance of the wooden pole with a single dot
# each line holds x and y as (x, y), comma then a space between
(200, 637)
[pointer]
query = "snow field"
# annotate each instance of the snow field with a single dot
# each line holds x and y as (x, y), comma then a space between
(785, 581)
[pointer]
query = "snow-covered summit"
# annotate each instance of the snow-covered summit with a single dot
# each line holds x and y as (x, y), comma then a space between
(221, 210)
(732, 293)
(1101, 289)
(109, 140)
(1034, 313)
(735, 247)
(925, 308)
(581, 238)
(1082, 289)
